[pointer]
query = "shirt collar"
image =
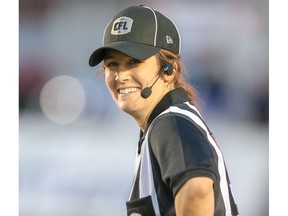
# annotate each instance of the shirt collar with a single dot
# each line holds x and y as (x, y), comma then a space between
(175, 96)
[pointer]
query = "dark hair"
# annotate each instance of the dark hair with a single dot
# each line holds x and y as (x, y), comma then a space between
(180, 77)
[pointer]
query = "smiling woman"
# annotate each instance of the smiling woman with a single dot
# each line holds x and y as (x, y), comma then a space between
(126, 76)
(180, 169)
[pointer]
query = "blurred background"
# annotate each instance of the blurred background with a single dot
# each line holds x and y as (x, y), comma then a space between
(76, 148)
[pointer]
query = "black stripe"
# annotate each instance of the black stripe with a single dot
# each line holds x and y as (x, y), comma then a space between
(135, 190)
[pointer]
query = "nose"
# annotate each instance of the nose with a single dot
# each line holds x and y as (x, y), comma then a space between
(122, 74)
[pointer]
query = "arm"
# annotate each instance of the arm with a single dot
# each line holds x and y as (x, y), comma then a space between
(195, 198)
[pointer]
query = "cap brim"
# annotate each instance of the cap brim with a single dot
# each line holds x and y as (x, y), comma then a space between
(135, 50)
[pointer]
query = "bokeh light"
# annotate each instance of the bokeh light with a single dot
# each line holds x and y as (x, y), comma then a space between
(62, 99)
(85, 166)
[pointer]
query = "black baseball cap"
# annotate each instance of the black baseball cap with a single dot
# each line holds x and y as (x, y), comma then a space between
(139, 32)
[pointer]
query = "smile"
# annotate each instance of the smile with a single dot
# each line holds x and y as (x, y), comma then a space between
(128, 90)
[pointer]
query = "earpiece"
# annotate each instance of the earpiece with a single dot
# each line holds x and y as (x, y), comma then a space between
(168, 69)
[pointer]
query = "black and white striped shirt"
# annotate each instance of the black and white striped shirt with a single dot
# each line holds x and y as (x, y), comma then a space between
(177, 145)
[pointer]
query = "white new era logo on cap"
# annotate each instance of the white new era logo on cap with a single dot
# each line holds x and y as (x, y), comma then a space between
(121, 26)
(169, 40)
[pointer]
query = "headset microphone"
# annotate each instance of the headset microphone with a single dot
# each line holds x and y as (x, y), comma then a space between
(146, 92)
(168, 70)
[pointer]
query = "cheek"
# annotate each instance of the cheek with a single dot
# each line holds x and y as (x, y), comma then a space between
(110, 82)
(109, 79)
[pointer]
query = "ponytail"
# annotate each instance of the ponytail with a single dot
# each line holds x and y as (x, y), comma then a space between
(164, 57)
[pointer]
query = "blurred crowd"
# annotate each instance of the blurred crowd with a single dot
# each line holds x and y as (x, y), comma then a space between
(66, 111)
(225, 50)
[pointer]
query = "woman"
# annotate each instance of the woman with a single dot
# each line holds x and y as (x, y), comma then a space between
(179, 167)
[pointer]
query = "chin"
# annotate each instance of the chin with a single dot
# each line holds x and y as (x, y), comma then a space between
(128, 110)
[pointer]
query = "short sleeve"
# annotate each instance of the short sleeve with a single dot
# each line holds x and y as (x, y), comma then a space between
(182, 150)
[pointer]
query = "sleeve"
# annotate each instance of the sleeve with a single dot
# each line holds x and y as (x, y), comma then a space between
(182, 151)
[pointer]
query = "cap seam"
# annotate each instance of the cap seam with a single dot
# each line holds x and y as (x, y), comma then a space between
(156, 25)
(180, 42)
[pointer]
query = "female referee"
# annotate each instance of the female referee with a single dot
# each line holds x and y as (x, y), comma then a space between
(179, 167)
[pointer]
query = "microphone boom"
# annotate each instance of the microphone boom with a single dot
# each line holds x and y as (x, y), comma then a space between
(168, 70)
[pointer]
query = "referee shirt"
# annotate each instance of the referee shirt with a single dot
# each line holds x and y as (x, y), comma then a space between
(176, 145)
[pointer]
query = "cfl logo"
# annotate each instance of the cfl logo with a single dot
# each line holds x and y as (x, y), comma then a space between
(122, 25)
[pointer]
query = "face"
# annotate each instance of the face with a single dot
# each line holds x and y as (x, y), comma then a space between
(125, 77)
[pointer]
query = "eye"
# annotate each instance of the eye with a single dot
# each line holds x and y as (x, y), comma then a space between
(111, 65)
(134, 61)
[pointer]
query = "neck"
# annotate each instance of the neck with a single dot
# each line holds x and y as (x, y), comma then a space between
(142, 120)
(142, 117)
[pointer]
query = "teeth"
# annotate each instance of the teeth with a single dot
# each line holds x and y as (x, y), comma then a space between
(128, 90)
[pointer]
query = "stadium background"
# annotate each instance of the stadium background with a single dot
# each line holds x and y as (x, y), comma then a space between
(76, 149)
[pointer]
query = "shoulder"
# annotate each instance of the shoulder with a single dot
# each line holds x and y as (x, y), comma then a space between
(179, 144)
(173, 129)
(176, 121)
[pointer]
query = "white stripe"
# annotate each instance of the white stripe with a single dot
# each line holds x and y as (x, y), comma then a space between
(193, 107)
(156, 24)
(221, 167)
(180, 41)
(146, 181)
